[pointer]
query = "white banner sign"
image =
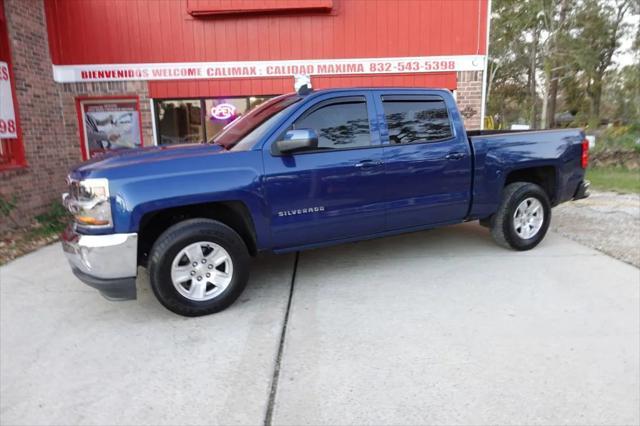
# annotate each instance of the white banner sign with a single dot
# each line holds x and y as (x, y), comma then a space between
(253, 69)
(8, 128)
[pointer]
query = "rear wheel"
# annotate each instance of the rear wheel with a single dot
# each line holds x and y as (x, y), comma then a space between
(198, 267)
(523, 217)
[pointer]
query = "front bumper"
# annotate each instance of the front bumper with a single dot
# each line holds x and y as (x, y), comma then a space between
(105, 262)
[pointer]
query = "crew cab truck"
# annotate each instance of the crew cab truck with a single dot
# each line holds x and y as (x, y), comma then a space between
(298, 172)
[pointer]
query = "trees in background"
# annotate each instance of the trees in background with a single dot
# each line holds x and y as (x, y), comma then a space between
(553, 60)
(511, 82)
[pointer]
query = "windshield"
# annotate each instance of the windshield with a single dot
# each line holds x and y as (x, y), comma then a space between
(229, 136)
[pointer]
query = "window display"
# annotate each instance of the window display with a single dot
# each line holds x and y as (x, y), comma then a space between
(108, 125)
(198, 120)
(220, 112)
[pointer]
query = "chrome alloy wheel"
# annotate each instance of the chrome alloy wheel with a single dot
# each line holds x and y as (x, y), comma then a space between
(201, 271)
(528, 218)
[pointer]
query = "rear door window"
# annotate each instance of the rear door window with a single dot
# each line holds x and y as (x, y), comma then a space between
(416, 120)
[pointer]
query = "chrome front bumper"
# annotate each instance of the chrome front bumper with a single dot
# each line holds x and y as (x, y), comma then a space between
(105, 262)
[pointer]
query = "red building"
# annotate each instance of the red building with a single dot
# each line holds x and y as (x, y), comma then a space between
(85, 76)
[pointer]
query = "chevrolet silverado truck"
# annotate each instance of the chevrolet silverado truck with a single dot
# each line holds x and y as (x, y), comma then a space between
(304, 171)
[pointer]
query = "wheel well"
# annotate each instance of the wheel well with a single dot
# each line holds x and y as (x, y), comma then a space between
(232, 213)
(544, 176)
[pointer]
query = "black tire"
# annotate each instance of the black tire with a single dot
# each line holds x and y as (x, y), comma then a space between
(179, 236)
(502, 223)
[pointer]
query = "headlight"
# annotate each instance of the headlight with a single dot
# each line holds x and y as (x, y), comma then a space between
(88, 201)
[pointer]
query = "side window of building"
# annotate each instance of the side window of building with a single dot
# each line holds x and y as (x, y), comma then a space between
(197, 120)
(412, 121)
(339, 124)
(179, 121)
(11, 142)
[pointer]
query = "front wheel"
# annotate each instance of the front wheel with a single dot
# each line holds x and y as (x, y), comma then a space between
(523, 217)
(198, 267)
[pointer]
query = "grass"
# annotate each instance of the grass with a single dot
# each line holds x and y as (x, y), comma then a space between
(51, 222)
(615, 179)
(19, 240)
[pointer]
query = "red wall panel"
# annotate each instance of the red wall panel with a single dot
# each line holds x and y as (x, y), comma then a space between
(147, 31)
(128, 31)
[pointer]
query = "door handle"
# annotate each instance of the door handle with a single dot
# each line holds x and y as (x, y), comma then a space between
(368, 163)
(454, 156)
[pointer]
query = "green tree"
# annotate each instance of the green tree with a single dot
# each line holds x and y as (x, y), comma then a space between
(621, 94)
(547, 56)
(513, 61)
(596, 37)
(557, 20)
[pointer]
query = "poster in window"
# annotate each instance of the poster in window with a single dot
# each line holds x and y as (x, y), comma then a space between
(8, 127)
(109, 125)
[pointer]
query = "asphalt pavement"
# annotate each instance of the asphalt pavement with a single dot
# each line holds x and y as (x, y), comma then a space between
(435, 327)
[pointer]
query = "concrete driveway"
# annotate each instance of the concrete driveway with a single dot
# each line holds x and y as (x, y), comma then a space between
(437, 327)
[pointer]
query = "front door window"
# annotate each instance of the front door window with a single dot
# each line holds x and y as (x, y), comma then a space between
(339, 125)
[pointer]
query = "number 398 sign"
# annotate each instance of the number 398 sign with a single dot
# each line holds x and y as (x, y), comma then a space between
(8, 128)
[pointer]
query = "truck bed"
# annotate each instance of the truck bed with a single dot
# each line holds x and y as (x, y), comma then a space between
(499, 153)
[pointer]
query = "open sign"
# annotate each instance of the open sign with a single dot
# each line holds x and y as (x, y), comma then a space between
(223, 111)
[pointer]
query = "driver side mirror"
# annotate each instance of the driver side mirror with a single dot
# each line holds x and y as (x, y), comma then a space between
(296, 140)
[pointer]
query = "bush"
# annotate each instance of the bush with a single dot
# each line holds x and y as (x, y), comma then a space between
(53, 221)
(625, 138)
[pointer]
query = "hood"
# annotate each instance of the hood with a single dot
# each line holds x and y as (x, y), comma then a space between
(106, 164)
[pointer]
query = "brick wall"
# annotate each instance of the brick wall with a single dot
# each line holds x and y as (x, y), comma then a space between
(40, 114)
(469, 97)
(48, 114)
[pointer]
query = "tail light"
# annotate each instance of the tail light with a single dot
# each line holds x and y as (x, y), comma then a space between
(585, 154)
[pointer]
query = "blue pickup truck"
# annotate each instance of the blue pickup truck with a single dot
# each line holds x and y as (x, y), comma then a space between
(303, 171)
